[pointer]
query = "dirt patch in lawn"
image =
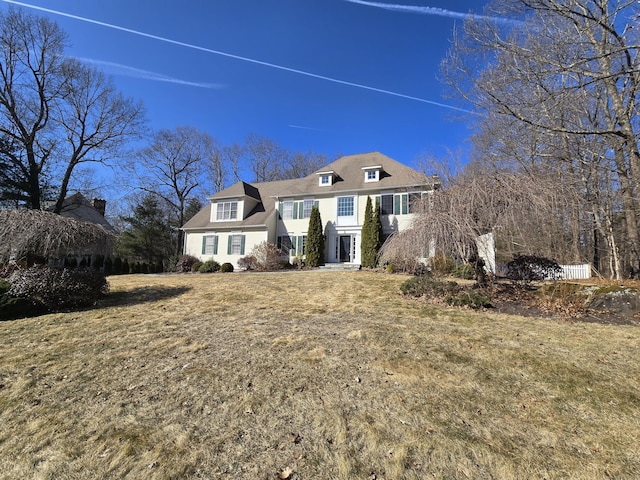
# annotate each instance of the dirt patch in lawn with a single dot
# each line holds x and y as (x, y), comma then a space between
(595, 302)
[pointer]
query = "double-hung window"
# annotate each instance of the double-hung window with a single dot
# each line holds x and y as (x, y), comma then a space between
(287, 209)
(236, 244)
(227, 211)
(306, 210)
(210, 245)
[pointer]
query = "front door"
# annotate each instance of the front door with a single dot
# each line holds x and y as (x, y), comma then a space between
(345, 248)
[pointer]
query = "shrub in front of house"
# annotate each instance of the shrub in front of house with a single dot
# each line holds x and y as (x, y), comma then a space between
(56, 289)
(469, 297)
(441, 265)
(196, 266)
(226, 268)
(210, 266)
(108, 266)
(464, 271)
(185, 263)
(420, 285)
(248, 263)
(268, 256)
(117, 266)
(447, 292)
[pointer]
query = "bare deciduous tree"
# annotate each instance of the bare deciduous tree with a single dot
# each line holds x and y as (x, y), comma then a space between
(266, 158)
(174, 165)
(55, 113)
(558, 89)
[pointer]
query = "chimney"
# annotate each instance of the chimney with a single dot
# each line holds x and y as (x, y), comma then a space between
(100, 205)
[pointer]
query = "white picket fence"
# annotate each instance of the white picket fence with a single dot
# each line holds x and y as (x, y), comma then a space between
(575, 272)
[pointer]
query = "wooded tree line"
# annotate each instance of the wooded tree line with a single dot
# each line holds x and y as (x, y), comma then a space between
(555, 86)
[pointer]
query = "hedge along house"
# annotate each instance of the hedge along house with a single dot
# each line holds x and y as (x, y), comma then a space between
(244, 215)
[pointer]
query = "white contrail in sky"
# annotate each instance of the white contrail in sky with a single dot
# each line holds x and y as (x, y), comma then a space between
(236, 57)
(127, 71)
(441, 12)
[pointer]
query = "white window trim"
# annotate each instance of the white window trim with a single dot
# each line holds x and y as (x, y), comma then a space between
(287, 209)
(328, 175)
(353, 206)
(375, 169)
(235, 235)
(220, 214)
(307, 213)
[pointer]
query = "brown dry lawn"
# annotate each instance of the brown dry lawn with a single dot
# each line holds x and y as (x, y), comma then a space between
(312, 375)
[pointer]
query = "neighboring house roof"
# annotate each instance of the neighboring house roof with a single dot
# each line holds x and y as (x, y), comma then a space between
(348, 177)
(78, 207)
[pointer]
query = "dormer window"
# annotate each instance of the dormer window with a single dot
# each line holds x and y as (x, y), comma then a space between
(227, 211)
(372, 174)
(325, 179)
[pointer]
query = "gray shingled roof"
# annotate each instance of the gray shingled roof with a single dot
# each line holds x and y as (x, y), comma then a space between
(78, 207)
(349, 177)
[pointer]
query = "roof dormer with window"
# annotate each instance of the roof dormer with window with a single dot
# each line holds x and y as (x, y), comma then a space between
(325, 179)
(372, 174)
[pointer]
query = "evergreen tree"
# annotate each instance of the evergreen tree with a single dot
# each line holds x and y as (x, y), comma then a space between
(378, 228)
(315, 240)
(149, 236)
(370, 242)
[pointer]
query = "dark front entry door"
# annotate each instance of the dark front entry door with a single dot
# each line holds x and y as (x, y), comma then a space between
(345, 248)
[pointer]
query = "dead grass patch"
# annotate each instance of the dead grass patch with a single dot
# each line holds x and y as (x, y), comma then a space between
(330, 375)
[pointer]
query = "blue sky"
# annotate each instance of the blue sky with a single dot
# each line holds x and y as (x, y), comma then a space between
(330, 76)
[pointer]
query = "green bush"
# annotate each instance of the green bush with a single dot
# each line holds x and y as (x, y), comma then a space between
(441, 265)
(98, 262)
(108, 266)
(449, 292)
(425, 285)
(210, 266)
(56, 289)
(391, 268)
(196, 266)
(464, 271)
(226, 267)
(117, 266)
(469, 298)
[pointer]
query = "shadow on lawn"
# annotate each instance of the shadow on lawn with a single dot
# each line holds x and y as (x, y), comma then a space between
(140, 295)
(18, 308)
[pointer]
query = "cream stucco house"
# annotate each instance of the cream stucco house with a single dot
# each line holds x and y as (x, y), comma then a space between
(243, 215)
